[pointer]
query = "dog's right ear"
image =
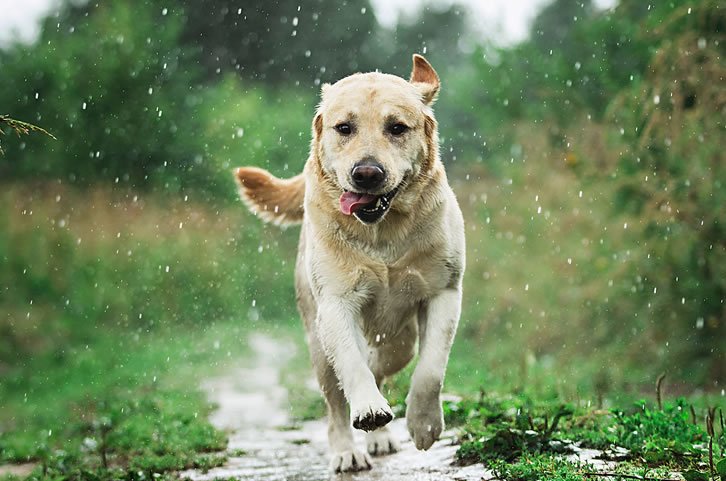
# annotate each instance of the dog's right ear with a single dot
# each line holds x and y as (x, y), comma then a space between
(425, 79)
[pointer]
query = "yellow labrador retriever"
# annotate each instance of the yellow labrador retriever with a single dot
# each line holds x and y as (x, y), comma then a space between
(381, 254)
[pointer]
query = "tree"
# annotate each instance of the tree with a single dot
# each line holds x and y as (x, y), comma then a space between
(279, 42)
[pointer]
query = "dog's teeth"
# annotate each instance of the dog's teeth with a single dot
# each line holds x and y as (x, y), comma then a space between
(378, 202)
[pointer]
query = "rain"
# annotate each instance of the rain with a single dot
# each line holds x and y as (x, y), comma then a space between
(149, 322)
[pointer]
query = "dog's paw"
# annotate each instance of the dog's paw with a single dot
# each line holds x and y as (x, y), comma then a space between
(381, 442)
(425, 419)
(372, 415)
(347, 461)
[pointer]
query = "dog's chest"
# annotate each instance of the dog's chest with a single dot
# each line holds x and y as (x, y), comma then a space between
(398, 291)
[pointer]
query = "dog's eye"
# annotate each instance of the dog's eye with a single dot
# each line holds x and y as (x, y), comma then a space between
(397, 129)
(344, 129)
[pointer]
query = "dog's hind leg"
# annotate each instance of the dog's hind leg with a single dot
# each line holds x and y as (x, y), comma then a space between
(345, 457)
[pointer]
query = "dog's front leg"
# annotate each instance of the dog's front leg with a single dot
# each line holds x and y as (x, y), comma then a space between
(344, 345)
(438, 319)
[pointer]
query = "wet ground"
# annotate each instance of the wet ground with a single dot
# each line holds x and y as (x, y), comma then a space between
(253, 408)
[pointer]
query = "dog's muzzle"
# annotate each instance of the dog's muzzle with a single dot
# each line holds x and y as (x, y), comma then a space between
(367, 208)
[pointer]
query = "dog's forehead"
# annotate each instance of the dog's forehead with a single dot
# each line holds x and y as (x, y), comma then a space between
(372, 92)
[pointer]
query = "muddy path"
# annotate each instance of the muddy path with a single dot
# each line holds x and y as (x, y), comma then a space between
(253, 408)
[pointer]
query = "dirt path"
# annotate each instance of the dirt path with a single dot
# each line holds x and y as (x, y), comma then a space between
(253, 408)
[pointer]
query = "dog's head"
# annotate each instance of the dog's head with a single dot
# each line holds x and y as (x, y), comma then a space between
(374, 134)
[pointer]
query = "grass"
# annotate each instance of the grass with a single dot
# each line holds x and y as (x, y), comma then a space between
(522, 437)
(115, 305)
(126, 407)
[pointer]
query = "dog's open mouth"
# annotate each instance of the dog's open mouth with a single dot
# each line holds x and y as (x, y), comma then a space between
(368, 208)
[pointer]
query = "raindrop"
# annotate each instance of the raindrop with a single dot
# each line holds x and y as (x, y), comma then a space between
(164, 11)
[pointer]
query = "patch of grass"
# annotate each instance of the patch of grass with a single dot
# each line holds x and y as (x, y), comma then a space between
(536, 467)
(515, 435)
(123, 408)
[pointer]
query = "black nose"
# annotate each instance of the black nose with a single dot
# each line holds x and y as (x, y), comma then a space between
(368, 175)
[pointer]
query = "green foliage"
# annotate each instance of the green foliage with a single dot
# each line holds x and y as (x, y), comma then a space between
(535, 467)
(262, 128)
(671, 178)
(279, 42)
(20, 128)
(121, 408)
(75, 262)
(124, 109)
(510, 433)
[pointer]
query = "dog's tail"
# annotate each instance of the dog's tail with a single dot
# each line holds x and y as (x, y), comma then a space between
(279, 201)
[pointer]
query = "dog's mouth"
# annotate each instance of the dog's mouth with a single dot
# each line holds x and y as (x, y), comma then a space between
(368, 208)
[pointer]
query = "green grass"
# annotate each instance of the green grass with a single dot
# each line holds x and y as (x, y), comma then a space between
(520, 436)
(114, 306)
(125, 406)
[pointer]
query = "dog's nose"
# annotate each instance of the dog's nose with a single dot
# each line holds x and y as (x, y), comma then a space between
(368, 175)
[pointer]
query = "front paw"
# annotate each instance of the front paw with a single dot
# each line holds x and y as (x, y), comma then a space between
(352, 460)
(425, 418)
(371, 415)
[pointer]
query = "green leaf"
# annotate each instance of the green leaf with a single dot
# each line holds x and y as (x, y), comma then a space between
(693, 475)
(721, 469)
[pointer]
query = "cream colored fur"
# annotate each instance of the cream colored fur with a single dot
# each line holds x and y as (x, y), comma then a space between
(368, 293)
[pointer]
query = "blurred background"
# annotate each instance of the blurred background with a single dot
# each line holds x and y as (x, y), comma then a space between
(584, 140)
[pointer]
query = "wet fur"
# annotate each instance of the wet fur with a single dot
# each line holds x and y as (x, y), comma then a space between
(368, 293)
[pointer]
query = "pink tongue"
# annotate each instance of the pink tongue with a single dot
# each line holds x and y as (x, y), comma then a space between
(351, 201)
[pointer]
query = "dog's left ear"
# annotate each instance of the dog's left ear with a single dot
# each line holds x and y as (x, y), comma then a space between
(425, 79)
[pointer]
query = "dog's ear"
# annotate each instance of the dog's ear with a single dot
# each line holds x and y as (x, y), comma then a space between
(425, 79)
(318, 126)
(432, 145)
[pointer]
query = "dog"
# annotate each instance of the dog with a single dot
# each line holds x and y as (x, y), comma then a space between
(380, 258)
